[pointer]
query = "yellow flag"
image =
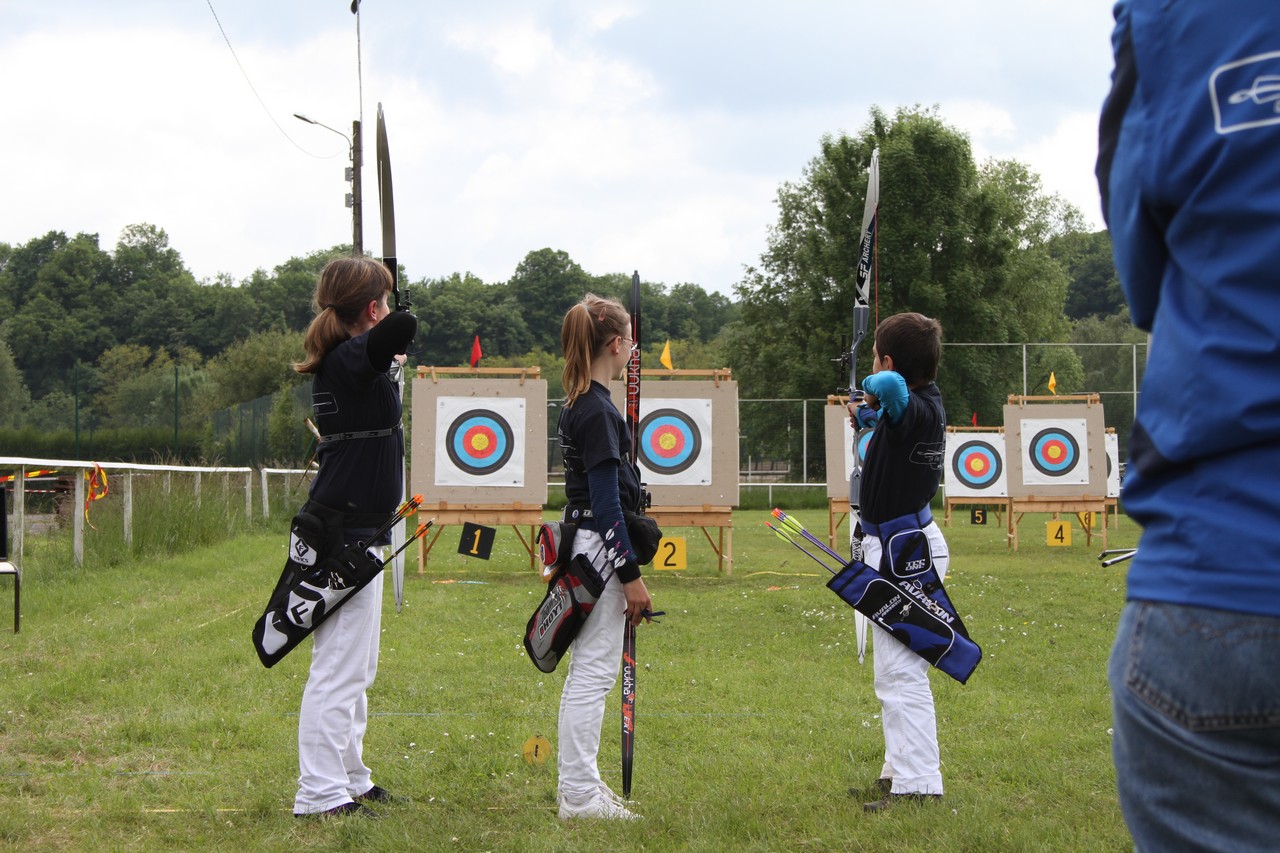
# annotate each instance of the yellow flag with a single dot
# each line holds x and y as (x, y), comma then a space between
(665, 359)
(1053, 384)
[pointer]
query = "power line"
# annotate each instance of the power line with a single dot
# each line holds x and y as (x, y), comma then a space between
(253, 89)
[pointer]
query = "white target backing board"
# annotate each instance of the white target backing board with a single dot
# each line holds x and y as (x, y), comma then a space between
(479, 441)
(1113, 464)
(1055, 450)
(975, 466)
(840, 437)
(688, 440)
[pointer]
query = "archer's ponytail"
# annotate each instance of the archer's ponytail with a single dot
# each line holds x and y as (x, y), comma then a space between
(587, 327)
(345, 287)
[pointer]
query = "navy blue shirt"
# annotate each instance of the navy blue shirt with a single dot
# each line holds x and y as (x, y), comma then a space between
(351, 392)
(593, 431)
(904, 462)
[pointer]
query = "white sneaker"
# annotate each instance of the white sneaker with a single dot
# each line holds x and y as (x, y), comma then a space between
(601, 805)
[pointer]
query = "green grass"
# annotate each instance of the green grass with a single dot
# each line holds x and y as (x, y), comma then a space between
(134, 714)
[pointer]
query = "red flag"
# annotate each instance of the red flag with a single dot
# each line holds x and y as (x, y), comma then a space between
(476, 353)
(975, 418)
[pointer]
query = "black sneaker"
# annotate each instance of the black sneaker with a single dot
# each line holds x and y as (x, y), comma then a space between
(881, 786)
(353, 809)
(378, 794)
(891, 800)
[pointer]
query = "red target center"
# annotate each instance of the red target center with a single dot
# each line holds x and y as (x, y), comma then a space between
(977, 465)
(667, 442)
(480, 441)
(1054, 451)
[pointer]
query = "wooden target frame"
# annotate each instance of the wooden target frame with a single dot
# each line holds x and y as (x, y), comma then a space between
(955, 495)
(695, 412)
(1078, 428)
(839, 435)
(441, 395)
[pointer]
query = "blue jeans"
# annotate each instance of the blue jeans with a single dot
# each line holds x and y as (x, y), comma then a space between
(1196, 698)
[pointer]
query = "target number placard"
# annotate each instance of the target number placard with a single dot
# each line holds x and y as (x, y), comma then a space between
(1058, 533)
(978, 516)
(673, 554)
(476, 540)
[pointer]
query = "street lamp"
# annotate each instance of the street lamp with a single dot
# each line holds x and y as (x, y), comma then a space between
(353, 175)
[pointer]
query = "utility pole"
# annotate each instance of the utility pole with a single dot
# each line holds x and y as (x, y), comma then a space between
(357, 216)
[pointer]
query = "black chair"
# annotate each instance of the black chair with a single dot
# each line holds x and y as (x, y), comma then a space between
(6, 567)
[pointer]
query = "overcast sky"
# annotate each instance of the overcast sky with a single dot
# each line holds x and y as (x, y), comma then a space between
(632, 134)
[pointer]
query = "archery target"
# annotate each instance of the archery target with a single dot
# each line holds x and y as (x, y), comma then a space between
(1112, 443)
(670, 441)
(675, 441)
(862, 443)
(480, 441)
(1055, 452)
(975, 465)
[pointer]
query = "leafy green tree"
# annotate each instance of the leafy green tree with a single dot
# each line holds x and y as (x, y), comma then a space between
(960, 243)
(545, 284)
(1095, 287)
(283, 297)
(259, 365)
(453, 310)
(13, 391)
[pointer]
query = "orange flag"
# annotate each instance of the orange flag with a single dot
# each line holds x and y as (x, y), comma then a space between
(97, 489)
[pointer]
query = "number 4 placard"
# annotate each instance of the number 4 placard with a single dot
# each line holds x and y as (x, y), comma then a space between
(477, 540)
(672, 554)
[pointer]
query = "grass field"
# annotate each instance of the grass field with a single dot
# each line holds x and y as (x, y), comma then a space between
(134, 714)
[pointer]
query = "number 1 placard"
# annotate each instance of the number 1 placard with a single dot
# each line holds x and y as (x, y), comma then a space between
(477, 540)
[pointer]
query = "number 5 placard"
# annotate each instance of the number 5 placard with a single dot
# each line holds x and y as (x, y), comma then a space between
(672, 554)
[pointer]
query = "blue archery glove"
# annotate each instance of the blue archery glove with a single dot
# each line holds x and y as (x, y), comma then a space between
(866, 417)
(890, 389)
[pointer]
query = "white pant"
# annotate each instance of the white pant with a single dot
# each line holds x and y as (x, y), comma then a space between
(331, 724)
(906, 700)
(594, 660)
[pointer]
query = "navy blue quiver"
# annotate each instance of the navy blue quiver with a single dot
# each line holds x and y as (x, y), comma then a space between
(906, 598)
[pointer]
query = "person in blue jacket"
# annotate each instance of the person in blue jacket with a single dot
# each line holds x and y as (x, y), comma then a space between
(1189, 172)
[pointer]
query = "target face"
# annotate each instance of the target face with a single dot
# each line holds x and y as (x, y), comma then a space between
(670, 441)
(975, 465)
(675, 441)
(1054, 452)
(1112, 443)
(862, 442)
(479, 441)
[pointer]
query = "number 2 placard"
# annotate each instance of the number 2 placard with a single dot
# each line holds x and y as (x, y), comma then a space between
(672, 554)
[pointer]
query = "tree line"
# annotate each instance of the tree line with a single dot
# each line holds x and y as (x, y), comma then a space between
(127, 338)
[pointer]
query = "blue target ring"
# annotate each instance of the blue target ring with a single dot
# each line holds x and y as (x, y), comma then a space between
(977, 464)
(479, 442)
(861, 442)
(1054, 452)
(669, 441)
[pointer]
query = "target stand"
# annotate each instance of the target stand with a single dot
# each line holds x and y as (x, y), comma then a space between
(478, 450)
(1056, 457)
(689, 452)
(974, 471)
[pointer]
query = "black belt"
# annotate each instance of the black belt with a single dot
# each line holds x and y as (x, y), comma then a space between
(368, 433)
